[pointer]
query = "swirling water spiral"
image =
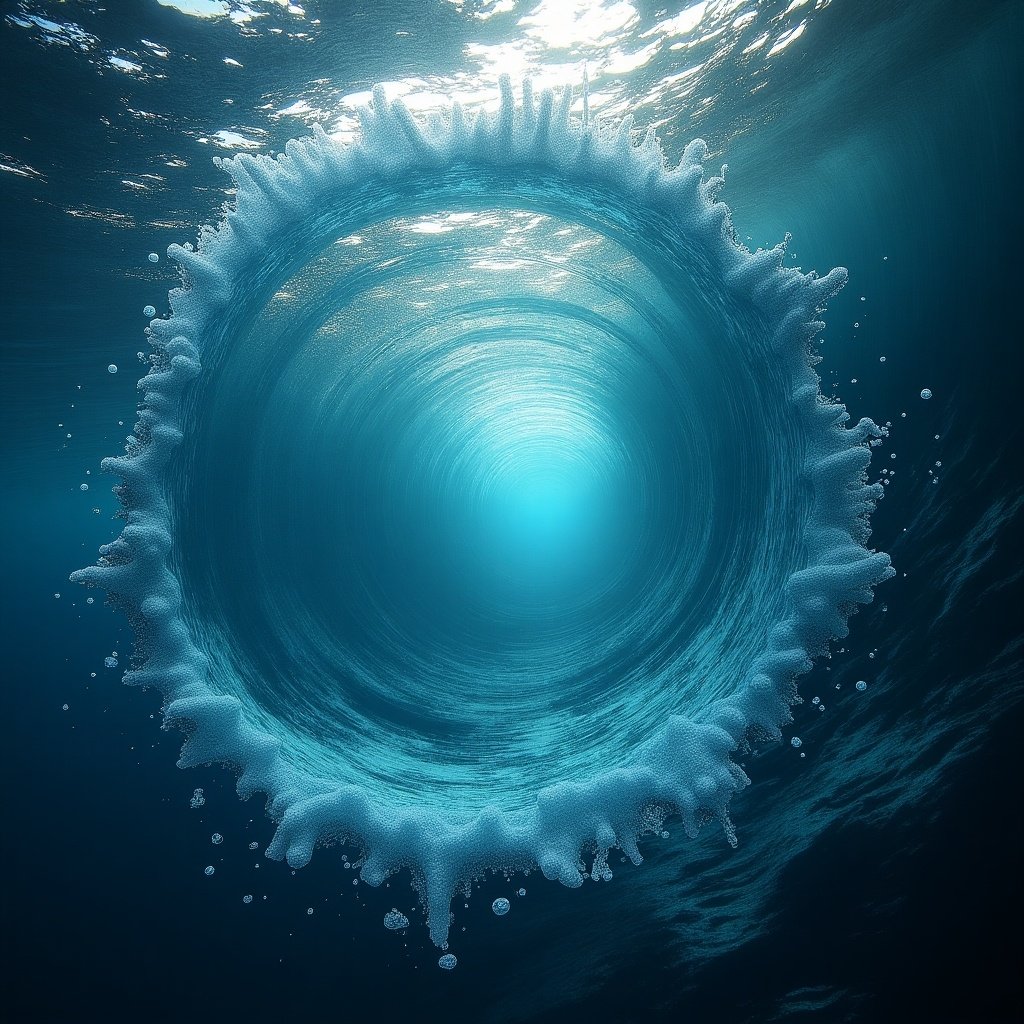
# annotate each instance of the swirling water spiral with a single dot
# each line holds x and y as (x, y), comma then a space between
(483, 500)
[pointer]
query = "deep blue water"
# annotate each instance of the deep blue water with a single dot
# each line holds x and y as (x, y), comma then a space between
(878, 877)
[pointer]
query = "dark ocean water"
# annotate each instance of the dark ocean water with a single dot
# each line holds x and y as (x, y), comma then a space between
(876, 879)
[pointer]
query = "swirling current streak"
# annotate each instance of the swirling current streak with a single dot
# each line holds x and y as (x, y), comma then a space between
(505, 505)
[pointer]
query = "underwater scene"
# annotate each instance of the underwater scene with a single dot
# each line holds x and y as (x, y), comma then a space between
(514, 510)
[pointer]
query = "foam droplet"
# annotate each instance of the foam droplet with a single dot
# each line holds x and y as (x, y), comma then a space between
(394, 920)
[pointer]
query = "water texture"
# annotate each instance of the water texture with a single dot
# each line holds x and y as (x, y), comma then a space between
(488, 490)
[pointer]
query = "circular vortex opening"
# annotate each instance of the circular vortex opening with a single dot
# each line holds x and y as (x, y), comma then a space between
(476, 500)
(483, 499)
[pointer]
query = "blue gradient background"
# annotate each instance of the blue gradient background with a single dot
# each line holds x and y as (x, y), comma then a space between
(876, 879)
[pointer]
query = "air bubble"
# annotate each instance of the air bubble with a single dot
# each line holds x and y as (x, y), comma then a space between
(500, 906)
(149, 311)
(796, 742)
(861, 685)
(926, 393)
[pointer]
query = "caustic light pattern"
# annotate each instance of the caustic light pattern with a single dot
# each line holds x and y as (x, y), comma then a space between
(483, 501)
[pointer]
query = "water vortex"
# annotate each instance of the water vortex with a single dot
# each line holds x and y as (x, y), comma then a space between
(483, 499)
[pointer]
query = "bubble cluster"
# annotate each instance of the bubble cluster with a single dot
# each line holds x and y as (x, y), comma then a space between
(394, 919)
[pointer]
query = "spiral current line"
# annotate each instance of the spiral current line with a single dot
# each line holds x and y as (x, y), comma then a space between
(499, 498)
